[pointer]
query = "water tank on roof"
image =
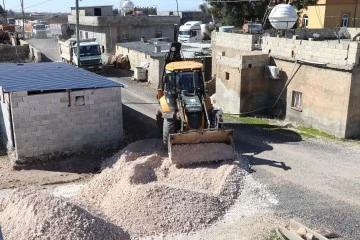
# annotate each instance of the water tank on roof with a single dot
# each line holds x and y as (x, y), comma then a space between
(283, 16)
(229, 29)
(127, 6)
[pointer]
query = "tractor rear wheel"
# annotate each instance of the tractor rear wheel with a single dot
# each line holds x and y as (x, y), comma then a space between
(168, 128)
(159, 119)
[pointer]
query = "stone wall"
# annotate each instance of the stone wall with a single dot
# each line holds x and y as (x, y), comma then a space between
(327, 52)
(45, 124)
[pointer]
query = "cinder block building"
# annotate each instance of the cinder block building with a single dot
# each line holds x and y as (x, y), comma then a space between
(50, 108)
(240, 82)
(316, 83)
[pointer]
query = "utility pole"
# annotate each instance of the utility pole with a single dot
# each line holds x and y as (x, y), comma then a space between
(23, 20)
(356, 2)
(177, 7)
(77, 34)
(5, 14)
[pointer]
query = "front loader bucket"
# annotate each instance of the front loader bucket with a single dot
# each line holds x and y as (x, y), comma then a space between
(201, 146)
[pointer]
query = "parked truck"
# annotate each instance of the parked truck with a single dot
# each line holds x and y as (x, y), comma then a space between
(11, 21)
(90, 53)
(35, 30)
(62, 31)
(190, 32)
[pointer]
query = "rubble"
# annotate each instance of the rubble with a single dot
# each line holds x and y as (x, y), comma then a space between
(34, 214)
(145, 194)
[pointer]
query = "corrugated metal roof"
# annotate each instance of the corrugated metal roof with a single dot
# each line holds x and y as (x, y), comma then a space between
(50, 76)
(188, 50)
(147, 48)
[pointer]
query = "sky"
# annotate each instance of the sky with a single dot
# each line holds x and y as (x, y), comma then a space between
(64, 5)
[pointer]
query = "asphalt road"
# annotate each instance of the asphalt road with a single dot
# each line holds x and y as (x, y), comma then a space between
(316, 182)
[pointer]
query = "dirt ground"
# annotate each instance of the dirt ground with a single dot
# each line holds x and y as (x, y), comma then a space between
(70, 169)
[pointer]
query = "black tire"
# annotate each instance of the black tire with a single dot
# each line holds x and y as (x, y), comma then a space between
(168, 128)
(159, 119)
(217, 119)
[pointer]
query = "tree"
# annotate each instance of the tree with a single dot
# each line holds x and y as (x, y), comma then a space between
(303, 4)
(2, 10)
(10, 13)
(236, 13)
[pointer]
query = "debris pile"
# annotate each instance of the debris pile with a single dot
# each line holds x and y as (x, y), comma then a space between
(34, 214)
(143, 193)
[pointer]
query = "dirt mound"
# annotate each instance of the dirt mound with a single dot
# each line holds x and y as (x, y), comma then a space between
(34, 214)
(144, 194)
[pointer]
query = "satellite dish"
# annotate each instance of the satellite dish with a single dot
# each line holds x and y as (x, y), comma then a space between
(283, 16)
(127, 6)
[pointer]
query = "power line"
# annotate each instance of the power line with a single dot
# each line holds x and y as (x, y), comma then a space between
(37, 4)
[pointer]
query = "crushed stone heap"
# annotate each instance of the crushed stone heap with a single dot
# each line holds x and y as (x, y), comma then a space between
(34, 214)
(140, 191)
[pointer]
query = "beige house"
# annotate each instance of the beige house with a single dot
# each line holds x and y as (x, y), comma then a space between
(317, 82)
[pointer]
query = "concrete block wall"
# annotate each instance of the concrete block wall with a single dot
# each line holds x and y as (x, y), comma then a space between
(5, 121)
(245, 42)
(325, 33)
(243, 61)
(240, 82)
(329, 52)
(45, 124)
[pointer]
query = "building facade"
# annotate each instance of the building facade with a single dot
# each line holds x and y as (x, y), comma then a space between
(318, 84)
(331, 14)
(99, 22)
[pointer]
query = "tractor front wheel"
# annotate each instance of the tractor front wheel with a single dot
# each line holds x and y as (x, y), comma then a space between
(168, 128)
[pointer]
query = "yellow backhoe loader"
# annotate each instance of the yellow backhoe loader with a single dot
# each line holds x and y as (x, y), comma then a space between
(191, 127)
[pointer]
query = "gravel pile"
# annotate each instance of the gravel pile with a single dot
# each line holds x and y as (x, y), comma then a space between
(211, 152)
(34, 214)
(143, 193)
